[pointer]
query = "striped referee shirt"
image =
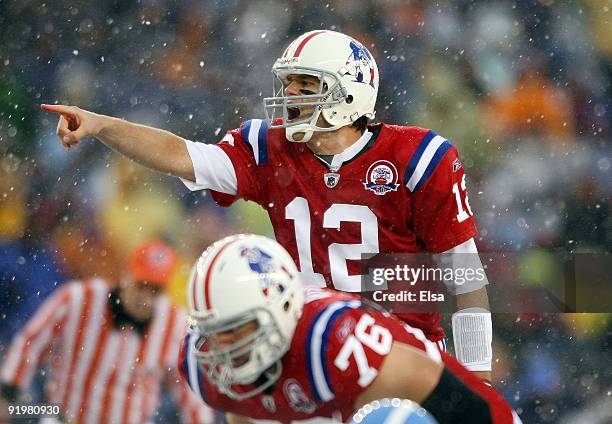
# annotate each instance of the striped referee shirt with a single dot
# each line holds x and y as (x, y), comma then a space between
(96, 372)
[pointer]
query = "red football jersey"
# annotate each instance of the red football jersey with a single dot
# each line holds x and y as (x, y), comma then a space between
(338, 347)
(403, 191)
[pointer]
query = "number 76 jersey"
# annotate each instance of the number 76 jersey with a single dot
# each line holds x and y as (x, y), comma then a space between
(396, 190)
(338, 349)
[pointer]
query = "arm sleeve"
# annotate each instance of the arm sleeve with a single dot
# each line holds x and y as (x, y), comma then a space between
(463, 257)
(229, 168)
(31, 345)
(213, 169)
(499, 410)
(452, 401)
(442, 213)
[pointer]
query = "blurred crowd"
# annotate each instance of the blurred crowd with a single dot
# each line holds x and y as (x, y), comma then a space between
(522, 88)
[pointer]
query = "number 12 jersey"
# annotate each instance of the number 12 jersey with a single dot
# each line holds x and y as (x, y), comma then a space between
(398, 189)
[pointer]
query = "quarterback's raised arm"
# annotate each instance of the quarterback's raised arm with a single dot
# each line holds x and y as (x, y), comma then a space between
(154, 148)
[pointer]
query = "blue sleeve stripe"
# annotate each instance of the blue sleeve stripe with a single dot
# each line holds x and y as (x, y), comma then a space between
(416, 157)
(262, 138)
(254, 133)
(193, 370)
(244, 133)
(435, 160)
(316, 346)
(428, 160)
(325, 340)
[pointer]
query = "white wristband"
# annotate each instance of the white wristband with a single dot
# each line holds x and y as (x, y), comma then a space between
(472, 336)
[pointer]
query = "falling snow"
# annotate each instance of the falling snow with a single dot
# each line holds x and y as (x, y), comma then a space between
(521, 88)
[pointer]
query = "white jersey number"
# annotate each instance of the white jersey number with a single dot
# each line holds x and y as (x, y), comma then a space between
(462, 215)
(299, 211)
(378, 339)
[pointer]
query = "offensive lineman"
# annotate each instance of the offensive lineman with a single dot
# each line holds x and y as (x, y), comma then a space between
(263, 347)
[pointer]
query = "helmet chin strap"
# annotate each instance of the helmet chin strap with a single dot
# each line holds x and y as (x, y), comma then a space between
(307, 129)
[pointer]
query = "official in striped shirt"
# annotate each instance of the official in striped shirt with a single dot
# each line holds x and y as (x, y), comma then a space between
(108, 350)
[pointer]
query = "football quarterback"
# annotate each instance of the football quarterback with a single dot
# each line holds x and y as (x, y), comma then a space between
(336, 186)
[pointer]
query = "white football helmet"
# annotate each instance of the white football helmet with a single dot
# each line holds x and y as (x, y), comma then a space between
(348, 87)
(242, 279)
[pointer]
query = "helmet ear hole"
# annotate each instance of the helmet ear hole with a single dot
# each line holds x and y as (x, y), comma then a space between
(349, 99)
(286, 306)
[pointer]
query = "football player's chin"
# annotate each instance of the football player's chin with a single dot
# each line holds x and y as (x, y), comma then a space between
(298, 136)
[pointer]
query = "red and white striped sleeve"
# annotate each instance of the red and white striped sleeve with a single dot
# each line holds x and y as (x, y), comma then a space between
(191, 408)
(33, 342)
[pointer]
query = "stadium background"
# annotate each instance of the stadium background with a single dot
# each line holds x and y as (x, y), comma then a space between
(523, 89)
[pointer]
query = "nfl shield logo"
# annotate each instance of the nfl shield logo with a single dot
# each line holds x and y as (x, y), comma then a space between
(331, 179)
(268, 403)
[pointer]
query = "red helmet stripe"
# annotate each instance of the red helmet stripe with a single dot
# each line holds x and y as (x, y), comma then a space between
(194, 290)
(286, 51)
(304, 41)
(209, 273)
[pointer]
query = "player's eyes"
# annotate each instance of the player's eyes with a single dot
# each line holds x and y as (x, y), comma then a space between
(307, 92)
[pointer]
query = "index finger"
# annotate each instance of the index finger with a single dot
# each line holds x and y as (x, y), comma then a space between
(57, 108)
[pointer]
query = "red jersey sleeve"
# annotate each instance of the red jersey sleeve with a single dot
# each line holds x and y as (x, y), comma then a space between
(247, 149)
(443, 217)
(347, 347)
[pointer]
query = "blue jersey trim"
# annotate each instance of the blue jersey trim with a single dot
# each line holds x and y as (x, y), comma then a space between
(340, 307)
(244, 133)
(263, 142)
(417, 155)
(435, 160)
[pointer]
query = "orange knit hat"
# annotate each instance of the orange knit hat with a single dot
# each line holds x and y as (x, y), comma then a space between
(154, 262)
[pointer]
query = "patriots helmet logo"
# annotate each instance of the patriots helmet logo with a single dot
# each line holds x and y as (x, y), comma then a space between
(263, 264)
(259, 261)
(360, 64)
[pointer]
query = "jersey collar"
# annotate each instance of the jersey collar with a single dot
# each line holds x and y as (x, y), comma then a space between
(349, 153)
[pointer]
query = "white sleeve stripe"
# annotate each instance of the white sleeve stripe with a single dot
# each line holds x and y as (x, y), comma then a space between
(254, 137)
(213, 169)
(193, 368)
(321, 385)
(424, 161)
